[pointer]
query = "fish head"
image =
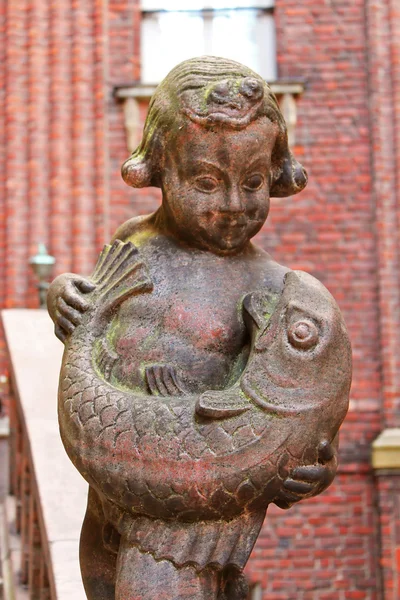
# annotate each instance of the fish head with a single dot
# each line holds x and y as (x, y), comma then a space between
(301, 355)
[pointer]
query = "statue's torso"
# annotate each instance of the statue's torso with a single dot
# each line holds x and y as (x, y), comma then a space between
(192, 320)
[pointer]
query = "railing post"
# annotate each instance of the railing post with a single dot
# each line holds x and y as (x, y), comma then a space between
(25, 506)
(34, 551)
(44, 580)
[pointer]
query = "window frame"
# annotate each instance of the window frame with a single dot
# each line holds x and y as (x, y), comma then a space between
(263, 61)
(151, 6)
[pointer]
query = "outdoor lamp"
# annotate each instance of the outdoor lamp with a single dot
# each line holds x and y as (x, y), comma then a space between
(42, 264)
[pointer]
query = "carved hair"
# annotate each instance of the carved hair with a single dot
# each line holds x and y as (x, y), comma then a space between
(213, 92)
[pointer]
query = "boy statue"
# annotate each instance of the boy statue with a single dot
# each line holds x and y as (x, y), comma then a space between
(201, 380)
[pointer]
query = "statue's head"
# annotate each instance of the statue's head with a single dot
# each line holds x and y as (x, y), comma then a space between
(216, 142)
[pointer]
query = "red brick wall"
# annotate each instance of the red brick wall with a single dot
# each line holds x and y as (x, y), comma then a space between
(2, 147)
(62, 142)
(323, 549)
(383, 24)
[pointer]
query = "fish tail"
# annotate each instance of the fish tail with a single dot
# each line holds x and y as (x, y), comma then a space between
(118, 274)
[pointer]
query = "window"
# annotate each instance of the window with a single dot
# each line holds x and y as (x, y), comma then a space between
(174, 30)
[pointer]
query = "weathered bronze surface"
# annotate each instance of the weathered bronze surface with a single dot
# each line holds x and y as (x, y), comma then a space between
(201, 380)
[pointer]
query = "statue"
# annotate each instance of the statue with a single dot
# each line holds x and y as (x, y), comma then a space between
(201, 380)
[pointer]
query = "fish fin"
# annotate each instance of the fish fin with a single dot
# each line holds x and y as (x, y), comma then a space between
(259, 306)
(221, 404)
(251, 308)
(106, 358)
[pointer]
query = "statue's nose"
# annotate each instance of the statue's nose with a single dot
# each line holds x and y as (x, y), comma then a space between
(233, 201)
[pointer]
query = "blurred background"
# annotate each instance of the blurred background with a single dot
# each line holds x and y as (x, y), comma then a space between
(76, 78)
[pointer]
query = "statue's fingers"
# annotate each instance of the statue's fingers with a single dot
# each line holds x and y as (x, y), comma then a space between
(158, 375)
(74, 299)
(325, 452)
(65, 324)
(172, 382)
(101, 362)
(74, 316)
(104, 366)
(162, 380)
(151, 381)
(85, 286)
(310, 473)
(286, 499)
(107, 371)
(177, 382)
(168, 380)
(60, 333)
(298, 487)
(154, 381)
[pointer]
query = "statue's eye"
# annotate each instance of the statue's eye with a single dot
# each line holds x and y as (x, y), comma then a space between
(254, 182)
(206, 184)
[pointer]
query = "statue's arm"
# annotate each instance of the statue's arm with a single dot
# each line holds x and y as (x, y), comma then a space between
(66, 300)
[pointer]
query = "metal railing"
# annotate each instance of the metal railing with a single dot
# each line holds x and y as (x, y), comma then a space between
(32, 571)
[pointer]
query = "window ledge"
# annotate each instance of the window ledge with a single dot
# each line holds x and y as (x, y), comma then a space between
(144, 91)
(386, 450)
(131, 94)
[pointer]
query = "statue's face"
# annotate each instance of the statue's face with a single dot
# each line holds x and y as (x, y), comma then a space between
(216, 184)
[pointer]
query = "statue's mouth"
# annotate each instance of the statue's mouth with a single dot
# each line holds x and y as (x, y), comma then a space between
(229, 222)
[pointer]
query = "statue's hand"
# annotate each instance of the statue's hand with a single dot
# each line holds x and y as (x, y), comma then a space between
(163, 380)
(66, 302)
(309, 480)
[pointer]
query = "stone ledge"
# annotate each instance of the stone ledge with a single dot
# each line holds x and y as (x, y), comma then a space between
(4, 427)
(386, 450)
(59, 492)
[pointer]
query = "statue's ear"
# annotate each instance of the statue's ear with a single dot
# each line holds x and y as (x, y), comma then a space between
(291, 180)
(137, 172)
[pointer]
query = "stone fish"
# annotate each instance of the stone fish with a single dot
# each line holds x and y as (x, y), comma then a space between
(204, 466)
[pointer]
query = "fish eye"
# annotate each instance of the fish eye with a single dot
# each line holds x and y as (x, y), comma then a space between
(254, 182)
(206, 184)
(303, 334)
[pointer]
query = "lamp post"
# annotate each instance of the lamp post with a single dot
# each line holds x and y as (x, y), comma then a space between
(42, 264)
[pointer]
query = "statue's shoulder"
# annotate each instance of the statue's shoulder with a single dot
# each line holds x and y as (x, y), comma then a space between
(132, 228)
